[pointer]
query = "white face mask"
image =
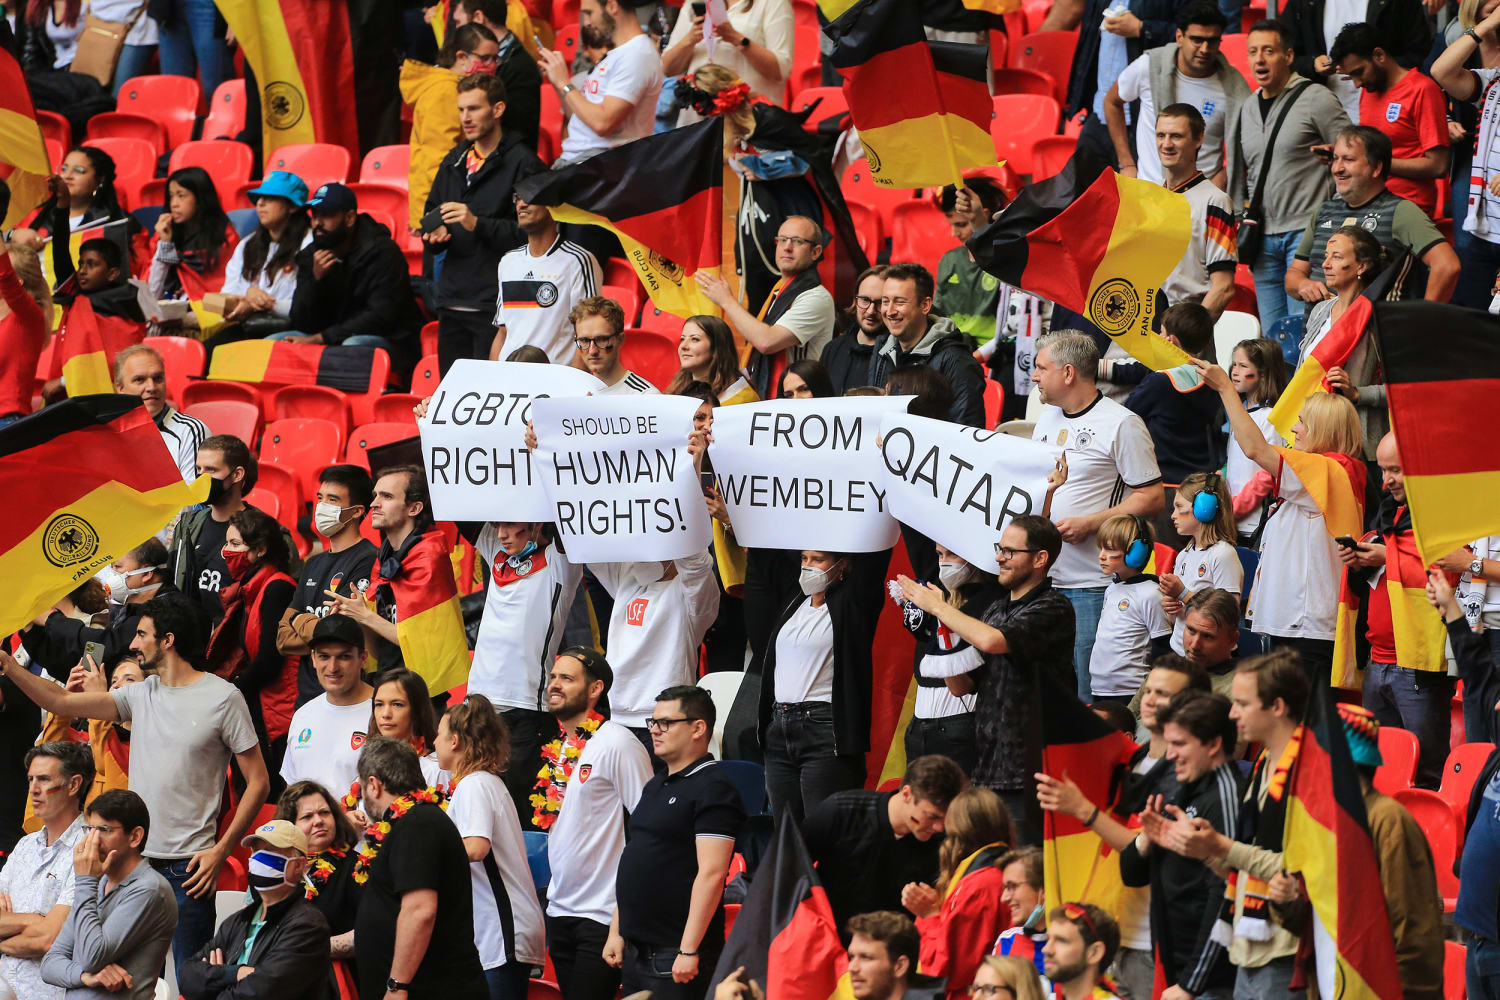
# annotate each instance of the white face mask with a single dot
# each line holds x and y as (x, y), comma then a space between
(814, 580)
(119, 582)
(328, 518)
(954, 575)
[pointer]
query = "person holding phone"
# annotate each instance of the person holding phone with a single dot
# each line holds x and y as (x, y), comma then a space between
(755, 43)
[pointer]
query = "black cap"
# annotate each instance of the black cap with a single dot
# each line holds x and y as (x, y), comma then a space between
(333, 197)
(594, 662)
(337, 628)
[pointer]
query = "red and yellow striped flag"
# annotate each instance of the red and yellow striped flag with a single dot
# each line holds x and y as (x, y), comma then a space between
(21, 143)
(429, 624)
(87, 345)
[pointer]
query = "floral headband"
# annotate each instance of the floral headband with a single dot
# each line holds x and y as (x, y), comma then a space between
(708, 104)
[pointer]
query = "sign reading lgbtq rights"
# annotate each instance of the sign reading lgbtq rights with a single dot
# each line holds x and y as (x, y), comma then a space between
(805, 474)
(474, 438)
(961, 485)
(619, 481)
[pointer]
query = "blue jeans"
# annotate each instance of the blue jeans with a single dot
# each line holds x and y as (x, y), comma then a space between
(1088, 605)
(1270, 269)
(195, 917)
(508, 982)
(1418, 701)
(1479, 260)
(135, 60)
(649, 967)
(10, 418)
(1482, 969)
(1272, 981)
(195, 43)
(802, 768)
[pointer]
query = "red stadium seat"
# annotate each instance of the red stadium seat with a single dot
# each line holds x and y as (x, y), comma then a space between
(1049, 52)
(425, 377)
(226, 111)
(1024, 81)
(386, 165)
(385, 198)
(184, 358)
(551, 120)
(304, 446)
(128, 125)
(56, 127)
(232, 877)
(546, 148)
(618, 271)
(566, 40)
(994, 402)
(317, 163)
(651, 355)
(228, 416)
(804, 77)
(284, 484)
(396, 408)
(214, 390)
(374, 435)
(135, 162)
(856, 184)
(171, 100)
(1036, 13)
(731, 914)
(629, 297)
(999, 51)
(1398, 750)
(1444, 829)
(318, 401)
(830, 101)
(540, 989)
(1234, 48)
(1019, 121)
(920, 233)
(228, 162)
(1455, 962)
(429, 338)
(267, 501)
(362, 404)
(667, 324)
(1050, 154)
(55, 152)
(1460, 772)
(154, 193)
(867, 227)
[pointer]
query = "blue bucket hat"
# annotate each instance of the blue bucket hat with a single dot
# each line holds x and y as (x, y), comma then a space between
(282, 184)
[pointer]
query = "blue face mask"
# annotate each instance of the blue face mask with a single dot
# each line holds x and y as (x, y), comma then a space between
(526, 550)
(266, 870)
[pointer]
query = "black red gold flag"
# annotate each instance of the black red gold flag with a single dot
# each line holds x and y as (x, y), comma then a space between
(1441, 361)
(21, 143)
(922, 108)
(281, 362)
(662, 196)
(86, 481)
(87, 345)
(785, 935)
(429, 624)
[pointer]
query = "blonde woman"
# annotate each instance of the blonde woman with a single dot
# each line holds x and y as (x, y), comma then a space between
(25, 319)
(1005, 977)
(961, 918)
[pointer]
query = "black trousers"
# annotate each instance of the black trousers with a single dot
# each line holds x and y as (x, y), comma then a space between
(463, 335)
(576, 945)
(528, 732)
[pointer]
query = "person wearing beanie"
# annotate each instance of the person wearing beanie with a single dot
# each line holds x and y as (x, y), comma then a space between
(1407, 874)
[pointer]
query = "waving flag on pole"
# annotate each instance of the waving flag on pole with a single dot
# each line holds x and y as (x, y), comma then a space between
(922, 108)
(87, 345)
(21, 143)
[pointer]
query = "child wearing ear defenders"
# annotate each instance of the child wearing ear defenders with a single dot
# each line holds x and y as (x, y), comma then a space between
(1133, 629)
(1203, 513)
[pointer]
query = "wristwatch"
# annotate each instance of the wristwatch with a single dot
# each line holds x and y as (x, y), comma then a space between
(1476, 568)
(1474, 35)
(392, 986)
(567, 88)
(744, 41)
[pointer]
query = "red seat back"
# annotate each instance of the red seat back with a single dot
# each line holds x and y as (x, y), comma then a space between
(283, 484)
(55, 127)
(135, 162)
(1049, 52)
(921, 233)
(1019, 121)
(229, 416)
(266, 500)
(1461, 771)
(1050, 154)
(226, 111)
(1455, 965)
(651, 355)
(386, 165)
(830, 101)
(1024, 81)
(171, 100)
(425, 377)
(317, 163)
(656, 321)
(228, 162)
(994, 402)
(628, 296)
(362, 404)
(551, 120)
(396, 408)
(1235, 49)
(304, 446)
(867, 228)
(318, 401)
(566, 40)
(1443, 826)
(857, 184)
(128, 125)
(1398, 751)
(215, 390)
(373, 435)
(429, 338)
(184, 358)
(386, 199)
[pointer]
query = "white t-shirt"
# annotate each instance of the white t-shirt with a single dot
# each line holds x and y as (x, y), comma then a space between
(281, 286)
(810, 318)
(585, 843)
(631, 385)
(939, 702)
(508, 921)
(1131, 618)
(1480, 597)
(432, 771)
(1216, 566)
(1239, 470)
(1207, 95)
(522, 626)
(1483, 216)
(537, 294)
(1296, 591)
(804, 656)
(323, 744)
(632, 73)
(655, 631)
(1336, 14)
(1109, 452)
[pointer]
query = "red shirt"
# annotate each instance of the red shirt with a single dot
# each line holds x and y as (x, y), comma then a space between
(23, 332)
(1414, 114)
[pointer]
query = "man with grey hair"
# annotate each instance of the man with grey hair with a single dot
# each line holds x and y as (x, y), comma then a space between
(797, 318)
(1111, 470)
(416, 916)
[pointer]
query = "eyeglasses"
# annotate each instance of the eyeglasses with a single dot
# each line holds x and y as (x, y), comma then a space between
(991, 991)
(603, 343)
(795, 241)
(1006, 554)
(103, 829)
(865, 302)
(662, 725)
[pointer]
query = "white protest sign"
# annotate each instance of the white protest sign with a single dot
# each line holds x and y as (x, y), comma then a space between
(805, 473)
(961, 485)
(474, 438)
(620, 484)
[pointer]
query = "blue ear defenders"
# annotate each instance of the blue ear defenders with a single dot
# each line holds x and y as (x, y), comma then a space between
(1206, 500)
(1138, 554)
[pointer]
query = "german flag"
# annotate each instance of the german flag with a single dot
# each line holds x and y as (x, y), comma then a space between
(922, 108)
(893, 689)
(1415, 624)
(429, 624)
(1077, 864)
(1334, 349)
(280, 362)
(327, 71)
(1098, 243)
(88, 480)
(87, 345)
(1430, 380)
(1336, 484)
(785, 935)
(21, 143)
(1327, 841)
(662, 196)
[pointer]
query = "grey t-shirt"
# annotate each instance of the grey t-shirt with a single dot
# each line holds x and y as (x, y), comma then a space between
(181, 740)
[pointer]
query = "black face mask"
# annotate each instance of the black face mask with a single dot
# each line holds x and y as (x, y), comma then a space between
(218, 489)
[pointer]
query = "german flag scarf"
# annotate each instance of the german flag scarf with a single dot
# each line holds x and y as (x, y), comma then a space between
(1265, 824)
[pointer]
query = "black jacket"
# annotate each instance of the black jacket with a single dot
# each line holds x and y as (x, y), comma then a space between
(847, 361)
(57, 644)
(1481, 677)
(1403, 22)
(523, 91)
(1158, 27)
(469, 277)
(367, 292)
(951, 352)
(854, 607)
(290, 956)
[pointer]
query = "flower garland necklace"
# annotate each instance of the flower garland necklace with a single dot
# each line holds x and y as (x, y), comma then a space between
(376, 833)
(558, 760)
(321, 869)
